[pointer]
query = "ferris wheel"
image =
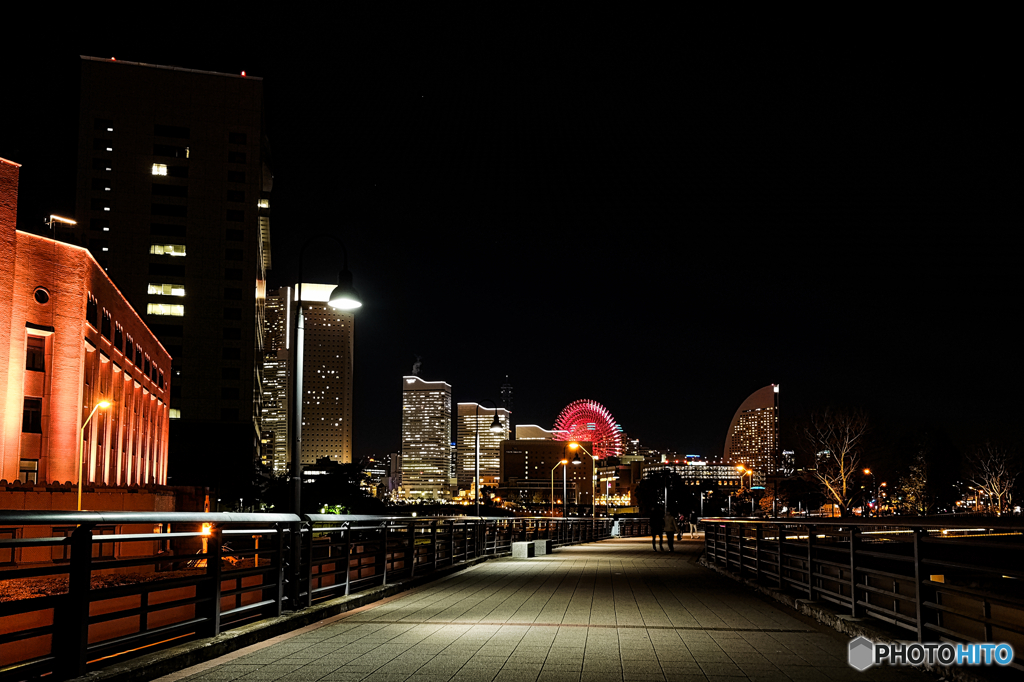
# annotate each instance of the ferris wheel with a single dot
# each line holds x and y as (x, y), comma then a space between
(589, 420)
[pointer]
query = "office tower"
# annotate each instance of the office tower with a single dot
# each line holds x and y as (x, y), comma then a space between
(327, 353)
(531, 473)
(473, 419)
(753, 435)
(506, 395)
(276, 389)
(70, 343)
(327, 359)
(426, 438)
(173, 197)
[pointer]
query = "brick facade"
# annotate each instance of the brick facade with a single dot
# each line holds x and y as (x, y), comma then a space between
(69, 340)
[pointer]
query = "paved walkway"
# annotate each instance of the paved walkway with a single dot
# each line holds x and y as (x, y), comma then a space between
(607, 611)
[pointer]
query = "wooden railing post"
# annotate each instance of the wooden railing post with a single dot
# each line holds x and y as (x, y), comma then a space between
(433, 543)
(347, 530)
(381, 557)
(214, 570)
(810, 562)
(918, 580)
(71, 621)
(410, 550)
(781, 538)
(307, 574)
(855, 610)
(758, 538)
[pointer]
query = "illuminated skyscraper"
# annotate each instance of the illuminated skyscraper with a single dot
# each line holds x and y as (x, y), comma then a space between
(426, 438)
(753, 436)
(326, 377)
(275, 438)
(474, 419)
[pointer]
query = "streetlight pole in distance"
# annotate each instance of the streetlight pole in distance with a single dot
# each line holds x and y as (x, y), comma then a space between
(103, 404)
(743, 472)
(593, 480)
(495, 428)
(867, 503)
(560, 463)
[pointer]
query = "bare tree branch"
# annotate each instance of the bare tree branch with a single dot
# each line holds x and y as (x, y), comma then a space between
(994, 470)
(836, 439)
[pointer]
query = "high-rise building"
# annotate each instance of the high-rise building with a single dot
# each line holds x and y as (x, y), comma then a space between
(327, 358)
(753, 435)
(173, 201)
(276, 388)
(327, 354)
(74, 354)
(473, 420)
(426, 438)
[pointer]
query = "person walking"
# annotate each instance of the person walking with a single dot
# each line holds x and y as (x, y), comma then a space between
(657, 522)
(671, 528)
(693, 524)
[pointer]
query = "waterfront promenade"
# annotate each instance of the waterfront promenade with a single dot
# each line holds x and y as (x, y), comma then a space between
(605, 611)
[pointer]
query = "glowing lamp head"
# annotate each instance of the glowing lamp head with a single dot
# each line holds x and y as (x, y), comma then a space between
(344, 296)
(576, 460)
(740, 467)
(574, 445)
(867, 472)
(496, 424)
(564, 461)
(103, 404)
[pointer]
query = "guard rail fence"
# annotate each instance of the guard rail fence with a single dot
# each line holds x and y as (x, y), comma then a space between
(80, 590)
(958, 580)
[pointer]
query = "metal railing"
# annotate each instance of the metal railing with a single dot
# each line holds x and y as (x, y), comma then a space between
(125, 584)
(955, 580)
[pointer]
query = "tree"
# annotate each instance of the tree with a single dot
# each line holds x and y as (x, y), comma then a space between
(650, 492)
(836, 438)
(994, 471)
(912, 494)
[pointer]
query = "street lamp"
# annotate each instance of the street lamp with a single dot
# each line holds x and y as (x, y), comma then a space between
(593, 480)
(743, 472)
(81, 453)
(343, 297)
(867, 503)
(496, 427)
(562, 462)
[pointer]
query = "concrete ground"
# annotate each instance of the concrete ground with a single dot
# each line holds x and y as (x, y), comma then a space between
(607, 611)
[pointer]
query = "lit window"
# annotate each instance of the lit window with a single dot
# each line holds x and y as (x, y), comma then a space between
(175, 414)
(166, 289)
(165, 309)
(264, 203)
(167, 249)
(159, 169)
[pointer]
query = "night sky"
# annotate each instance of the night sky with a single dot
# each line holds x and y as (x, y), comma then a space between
(661, 229)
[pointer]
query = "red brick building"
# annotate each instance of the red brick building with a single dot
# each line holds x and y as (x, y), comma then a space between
(69, 340)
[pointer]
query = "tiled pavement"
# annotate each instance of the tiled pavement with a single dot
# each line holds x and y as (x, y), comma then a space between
(613, 610)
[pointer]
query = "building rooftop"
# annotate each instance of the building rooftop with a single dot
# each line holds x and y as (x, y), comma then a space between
(172, 68)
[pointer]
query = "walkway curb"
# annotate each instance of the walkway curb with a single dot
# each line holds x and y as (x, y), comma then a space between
(158, 664)
(869, 628)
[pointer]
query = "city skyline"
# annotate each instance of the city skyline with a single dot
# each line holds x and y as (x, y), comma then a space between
(666, 268)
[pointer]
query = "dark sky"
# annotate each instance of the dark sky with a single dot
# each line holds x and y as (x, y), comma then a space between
(661, 228)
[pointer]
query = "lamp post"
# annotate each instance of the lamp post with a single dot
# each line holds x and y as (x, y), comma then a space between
(867, 503)
(593, 481)
(565, 487)
(560, 463)
(743, 472)
(496, 427)
(103, 404)
(344, 297)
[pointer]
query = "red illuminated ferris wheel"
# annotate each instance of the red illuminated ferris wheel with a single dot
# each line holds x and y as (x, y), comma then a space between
(590, 420)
